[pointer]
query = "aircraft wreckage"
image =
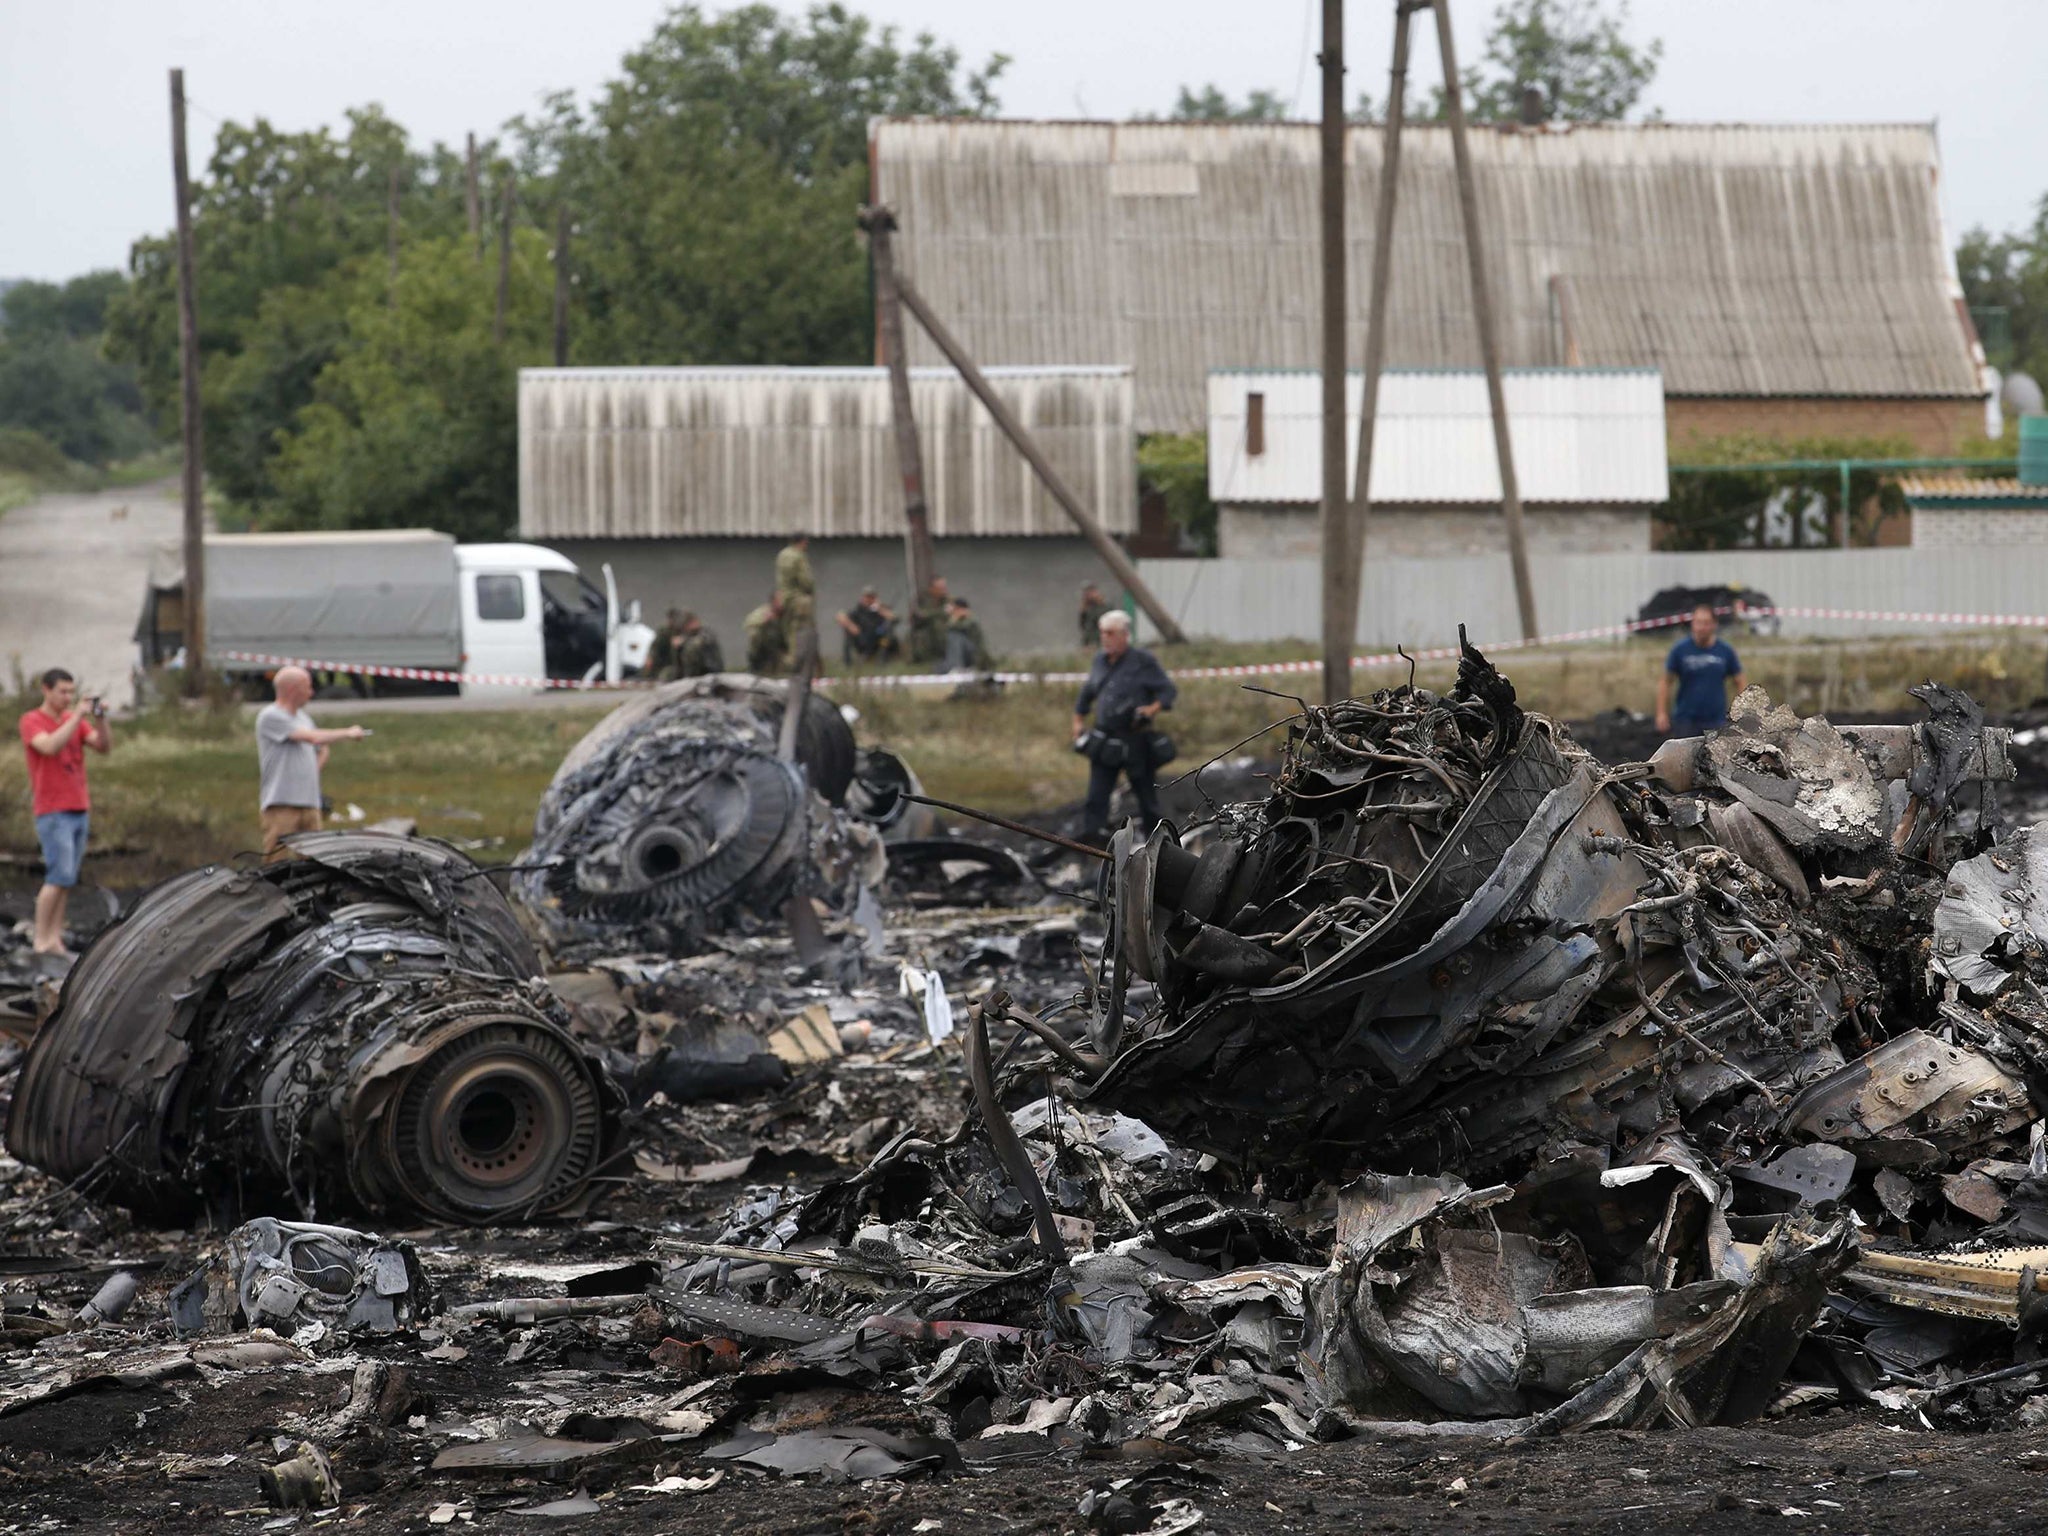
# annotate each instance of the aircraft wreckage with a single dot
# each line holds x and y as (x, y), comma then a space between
(360, 1027)
(1615, 1072)
(1461, 1077)
(678, 816)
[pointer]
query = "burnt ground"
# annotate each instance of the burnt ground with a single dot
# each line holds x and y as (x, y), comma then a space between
(185, 1458)
(125, 1452)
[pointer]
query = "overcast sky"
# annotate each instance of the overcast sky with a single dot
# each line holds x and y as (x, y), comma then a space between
(85, 163)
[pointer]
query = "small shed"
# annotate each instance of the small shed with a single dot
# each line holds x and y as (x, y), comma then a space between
(687, 480)
(1961, 511)
(1588, 445)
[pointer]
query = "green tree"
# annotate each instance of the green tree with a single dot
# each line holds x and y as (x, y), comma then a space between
(76, 310)
(55, 383)
(713, 186)
(1574, 52)
(2008, 275)
(714, 183)
(1735, 507)
(273, 212)
(414, 422)
(1176, 466)
(1211, 104)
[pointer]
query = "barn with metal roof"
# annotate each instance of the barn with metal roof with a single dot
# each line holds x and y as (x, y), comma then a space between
(1790, 281)
(687, 480)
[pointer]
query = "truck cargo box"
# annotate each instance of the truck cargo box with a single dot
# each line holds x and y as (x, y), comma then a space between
(386, 597)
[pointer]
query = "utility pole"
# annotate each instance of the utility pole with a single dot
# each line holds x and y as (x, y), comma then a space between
(561, 285)
(1119, 563)
(472, 200)
(188, 407)
(1376, 311)
(1340, 621)
(918, 555)
(1482, 313)
(504, 258)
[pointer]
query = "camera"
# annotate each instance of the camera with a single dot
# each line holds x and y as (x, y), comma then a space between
(97, 706)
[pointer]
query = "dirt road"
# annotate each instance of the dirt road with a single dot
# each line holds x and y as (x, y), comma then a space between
(72, 570)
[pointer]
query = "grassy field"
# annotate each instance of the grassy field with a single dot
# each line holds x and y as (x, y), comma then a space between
(180, 788)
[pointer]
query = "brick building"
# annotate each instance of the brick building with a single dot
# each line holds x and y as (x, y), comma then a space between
(1788, 282)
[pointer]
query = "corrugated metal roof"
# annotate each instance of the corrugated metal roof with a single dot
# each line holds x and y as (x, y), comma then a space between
(773, 452)
(1933, 488)
(1738, 261)
(1582, 437)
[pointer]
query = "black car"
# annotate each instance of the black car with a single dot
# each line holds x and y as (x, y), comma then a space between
(1672, 608)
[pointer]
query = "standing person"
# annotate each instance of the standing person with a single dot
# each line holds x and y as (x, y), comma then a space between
(869, 629)
(55, 737)
(797, 587)
(767, 638)
(290, 752)
(928, 623)
(1700, 666)
(1128, 689)
(1093, 607)
(966, 649)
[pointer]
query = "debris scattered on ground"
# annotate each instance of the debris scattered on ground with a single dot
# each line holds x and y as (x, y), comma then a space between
(1454, 1091)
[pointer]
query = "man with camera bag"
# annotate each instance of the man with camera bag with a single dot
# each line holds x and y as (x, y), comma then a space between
(55, 738)
(1127, 689)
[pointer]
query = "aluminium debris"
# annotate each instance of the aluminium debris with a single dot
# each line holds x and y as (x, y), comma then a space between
(359, 1027)
(675, 817)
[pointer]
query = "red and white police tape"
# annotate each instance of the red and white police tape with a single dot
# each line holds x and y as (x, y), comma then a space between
(1251, 669)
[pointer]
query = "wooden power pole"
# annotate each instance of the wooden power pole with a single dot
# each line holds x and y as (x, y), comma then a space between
(1340, 617)
(1482, 314)
(1119, 563)
(504, 259)
(919, 557)
(1376, 310)
(561, 285)
(188, 407)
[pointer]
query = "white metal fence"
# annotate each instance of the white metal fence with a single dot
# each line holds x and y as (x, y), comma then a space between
(1419, 602)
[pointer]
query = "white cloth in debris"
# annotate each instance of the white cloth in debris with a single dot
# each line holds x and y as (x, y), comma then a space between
(938, 1008)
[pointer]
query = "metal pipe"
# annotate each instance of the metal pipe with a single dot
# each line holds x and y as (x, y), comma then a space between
(1012, 826)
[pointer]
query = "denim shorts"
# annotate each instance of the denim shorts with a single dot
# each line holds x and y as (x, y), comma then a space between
(62, 834)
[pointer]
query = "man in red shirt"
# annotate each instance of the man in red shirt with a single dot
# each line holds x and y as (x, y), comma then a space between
(55, 738)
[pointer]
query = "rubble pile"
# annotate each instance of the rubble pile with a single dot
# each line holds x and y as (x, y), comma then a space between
(1475, 1079)
(676, 817)
(1456, 1086)
(360, 1027)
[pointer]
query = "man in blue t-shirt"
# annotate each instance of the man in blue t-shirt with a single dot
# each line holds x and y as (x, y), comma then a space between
(1700, 667)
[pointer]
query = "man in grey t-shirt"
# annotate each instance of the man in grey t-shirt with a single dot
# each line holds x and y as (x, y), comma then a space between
(290, 752)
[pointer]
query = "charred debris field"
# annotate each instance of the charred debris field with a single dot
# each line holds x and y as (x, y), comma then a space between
(1452, 1119)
